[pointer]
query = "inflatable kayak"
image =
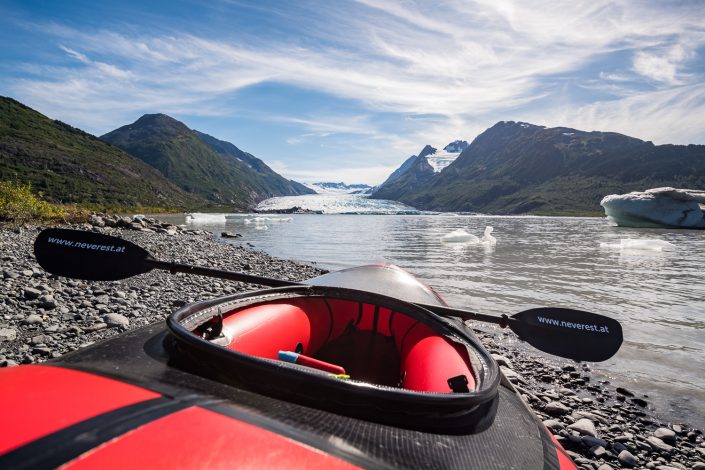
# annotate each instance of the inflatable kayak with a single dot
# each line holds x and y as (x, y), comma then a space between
(343, 372)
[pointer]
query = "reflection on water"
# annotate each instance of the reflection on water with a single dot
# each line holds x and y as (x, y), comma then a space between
(659, 296)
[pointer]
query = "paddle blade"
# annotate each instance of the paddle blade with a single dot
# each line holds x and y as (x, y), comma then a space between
(574, 334)
(89, 255)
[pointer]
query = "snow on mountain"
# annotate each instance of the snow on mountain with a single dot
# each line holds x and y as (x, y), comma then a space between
(442, 158)
(338, 188)
(457, 146)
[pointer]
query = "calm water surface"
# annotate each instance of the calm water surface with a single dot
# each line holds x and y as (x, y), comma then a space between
(538, 261)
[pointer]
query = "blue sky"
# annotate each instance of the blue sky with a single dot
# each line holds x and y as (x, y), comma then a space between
(347, 90)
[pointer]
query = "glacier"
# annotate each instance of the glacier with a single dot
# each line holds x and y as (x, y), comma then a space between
(336, 204)
(657, 208)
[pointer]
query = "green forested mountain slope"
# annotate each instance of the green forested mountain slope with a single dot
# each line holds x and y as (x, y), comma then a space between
(71, 166)
(265, 180)
(195, 166)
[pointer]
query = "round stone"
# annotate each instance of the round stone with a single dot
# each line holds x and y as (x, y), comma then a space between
(626, 458)
(585, 427)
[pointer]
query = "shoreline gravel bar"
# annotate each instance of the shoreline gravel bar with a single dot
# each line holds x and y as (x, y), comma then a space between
(43, 317)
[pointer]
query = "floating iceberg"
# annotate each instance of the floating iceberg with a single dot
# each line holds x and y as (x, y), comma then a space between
(200, 218)
(461, 236)
(639, 244)
(658, 207)
(264, 220)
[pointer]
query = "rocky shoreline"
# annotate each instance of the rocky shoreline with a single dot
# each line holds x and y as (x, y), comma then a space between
(43, 317)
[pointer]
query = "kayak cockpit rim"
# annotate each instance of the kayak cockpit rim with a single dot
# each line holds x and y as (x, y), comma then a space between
(458, 411)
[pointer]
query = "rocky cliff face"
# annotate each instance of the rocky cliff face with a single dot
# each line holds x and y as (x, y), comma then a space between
(408, 178)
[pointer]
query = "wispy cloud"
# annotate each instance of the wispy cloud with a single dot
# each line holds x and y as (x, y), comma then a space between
(76, 55)
(664, 116)
(466, 63)
(662, 67)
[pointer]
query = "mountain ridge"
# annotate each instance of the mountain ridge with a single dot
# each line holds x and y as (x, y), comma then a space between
(418, 169)
(201, 164)
(517, 168)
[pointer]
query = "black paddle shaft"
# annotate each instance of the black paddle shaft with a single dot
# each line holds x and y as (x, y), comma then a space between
(218, 273)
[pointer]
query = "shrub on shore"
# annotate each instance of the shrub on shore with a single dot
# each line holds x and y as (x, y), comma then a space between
(18, 204)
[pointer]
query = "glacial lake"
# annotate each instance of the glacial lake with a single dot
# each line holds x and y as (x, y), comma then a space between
(658, 296)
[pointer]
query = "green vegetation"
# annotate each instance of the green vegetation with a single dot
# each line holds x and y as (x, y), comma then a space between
(69, 166)
(18, 204)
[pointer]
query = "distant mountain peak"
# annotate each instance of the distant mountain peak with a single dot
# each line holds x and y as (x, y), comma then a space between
(427, 150)
(338, 188)
(157, 119)
(201, 164)
(457, 146)
(518, 124)
(516, 167)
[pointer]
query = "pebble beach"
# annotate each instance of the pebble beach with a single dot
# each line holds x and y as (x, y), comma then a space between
(42, 317)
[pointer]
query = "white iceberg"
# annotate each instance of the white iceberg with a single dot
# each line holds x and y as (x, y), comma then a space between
(642, 244)
(201, 218)
(461, 236)
(658, 207)
(264, 220)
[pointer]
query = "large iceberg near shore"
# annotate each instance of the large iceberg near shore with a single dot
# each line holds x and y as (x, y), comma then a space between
(658, 207)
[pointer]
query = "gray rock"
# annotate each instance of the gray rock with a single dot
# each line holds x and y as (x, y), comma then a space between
(639, 402)
(115, 319)
(97, 221)
(605, 466)
(644, 446)
(8, 334)
(598, 451)
(42, 351)
(229, 235)
(9, 274)
(39, 339)
(618, 447)
(97, 327)
(102, 299)
(626, 458)
(625, 392)
(47, 301)
(30, 293)
(585, 427)
(657, 443)
(590, 441)
(34, 319)
(698, 466)
(666, 435)
(553, 425)
(556, 408)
